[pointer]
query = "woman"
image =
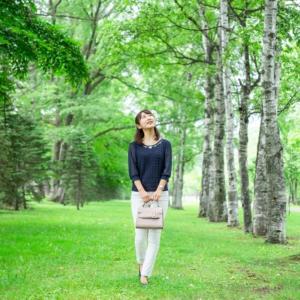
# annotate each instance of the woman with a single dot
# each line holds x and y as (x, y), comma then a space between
(149, 165)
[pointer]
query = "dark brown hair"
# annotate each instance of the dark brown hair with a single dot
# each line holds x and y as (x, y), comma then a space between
(139, 134)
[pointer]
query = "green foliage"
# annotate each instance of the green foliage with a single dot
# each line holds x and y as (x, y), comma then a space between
(79, 170)
(25, 38)
(23, 158)
(290, 130)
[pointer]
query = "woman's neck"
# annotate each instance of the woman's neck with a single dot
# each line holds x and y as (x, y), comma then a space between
(149, 135)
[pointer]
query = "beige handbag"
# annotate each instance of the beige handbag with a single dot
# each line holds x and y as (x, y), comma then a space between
(150, 217)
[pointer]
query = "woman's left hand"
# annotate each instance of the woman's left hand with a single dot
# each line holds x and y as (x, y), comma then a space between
(156, 195)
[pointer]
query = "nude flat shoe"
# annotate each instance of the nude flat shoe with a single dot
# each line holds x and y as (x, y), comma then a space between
(144, 284)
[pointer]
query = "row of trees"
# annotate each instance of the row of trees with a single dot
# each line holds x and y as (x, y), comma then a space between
(269, 207)
(235, 50)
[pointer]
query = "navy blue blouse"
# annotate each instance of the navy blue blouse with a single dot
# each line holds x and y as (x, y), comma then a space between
(149, 164)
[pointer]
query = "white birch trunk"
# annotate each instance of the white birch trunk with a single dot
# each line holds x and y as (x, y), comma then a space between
(217, 210)
(178, 184)
(243, 143)
(277, 200)
(260, 185)
(232, 191)
(208, 122)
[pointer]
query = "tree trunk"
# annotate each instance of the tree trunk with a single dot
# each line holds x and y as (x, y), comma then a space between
(295, 191)
(208, 122)
(217, 210)
(217, 202)
(56, 192)
(243, 144)
(174, 166)
(260, 185)
(24, 201)
(276, 231)
(178, 184)
(232, 191)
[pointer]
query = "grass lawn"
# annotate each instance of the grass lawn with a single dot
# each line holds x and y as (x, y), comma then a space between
(55, 252)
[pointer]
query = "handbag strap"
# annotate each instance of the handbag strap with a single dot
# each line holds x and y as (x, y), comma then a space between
(152, 202)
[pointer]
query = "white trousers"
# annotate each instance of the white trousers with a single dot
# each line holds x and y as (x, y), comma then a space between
(147, 241)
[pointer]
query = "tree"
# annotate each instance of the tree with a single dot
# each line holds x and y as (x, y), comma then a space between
(80, 170)
(209, 48)
(217, 208)
(22, 156)
(276, 232)
(26, 39)
(232, 185)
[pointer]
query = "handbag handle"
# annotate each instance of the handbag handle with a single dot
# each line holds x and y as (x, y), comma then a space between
(152, 202)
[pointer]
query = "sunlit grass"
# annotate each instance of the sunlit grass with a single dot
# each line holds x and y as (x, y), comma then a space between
(56, 252)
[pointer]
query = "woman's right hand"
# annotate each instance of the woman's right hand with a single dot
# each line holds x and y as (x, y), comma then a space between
(145, 196)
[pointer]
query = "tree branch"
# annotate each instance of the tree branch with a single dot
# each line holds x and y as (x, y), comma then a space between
(186, 160)
(256, 82)
(140, 89)
(63, 16)
(103, 132)
(207, 5)
(88, 47)
(290, 102)
(188, 16)
(179, 54)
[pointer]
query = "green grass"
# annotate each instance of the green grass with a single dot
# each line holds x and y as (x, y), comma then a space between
(55, 252)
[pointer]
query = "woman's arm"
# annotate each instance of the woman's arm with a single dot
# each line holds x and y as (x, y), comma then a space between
(132, 165)
(166, 172)
(134, 174)
(139, 185)
(168, 162)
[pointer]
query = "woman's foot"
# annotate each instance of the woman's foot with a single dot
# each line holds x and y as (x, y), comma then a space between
(144, 280)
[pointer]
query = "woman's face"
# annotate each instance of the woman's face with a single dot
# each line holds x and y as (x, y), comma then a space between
(146, 121)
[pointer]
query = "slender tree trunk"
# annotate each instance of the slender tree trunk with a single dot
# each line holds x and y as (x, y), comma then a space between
(295, 191)
(24, 197)
(59, 155)
(232, 191)
(208, 122)
(293, 187)
(207, 148)
(217, 210)
(260, 185)
(276, 231)
(178, 184)
(291, 192)
(243, 144)
(79, 202)
(174, 166)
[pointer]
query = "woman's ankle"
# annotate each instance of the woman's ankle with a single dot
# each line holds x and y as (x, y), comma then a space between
(144, 278)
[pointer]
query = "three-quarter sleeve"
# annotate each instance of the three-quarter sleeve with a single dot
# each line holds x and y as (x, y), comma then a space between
(132, 167)
(168, 161)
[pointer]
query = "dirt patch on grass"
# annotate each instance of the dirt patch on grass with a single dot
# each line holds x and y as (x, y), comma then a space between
(267, 289)
(295, 257)
(251, 274)
(291, 259)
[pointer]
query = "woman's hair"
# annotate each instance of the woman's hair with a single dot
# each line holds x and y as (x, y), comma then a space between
(139, 134)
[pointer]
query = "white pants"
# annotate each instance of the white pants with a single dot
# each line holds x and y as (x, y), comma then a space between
(147, 241)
